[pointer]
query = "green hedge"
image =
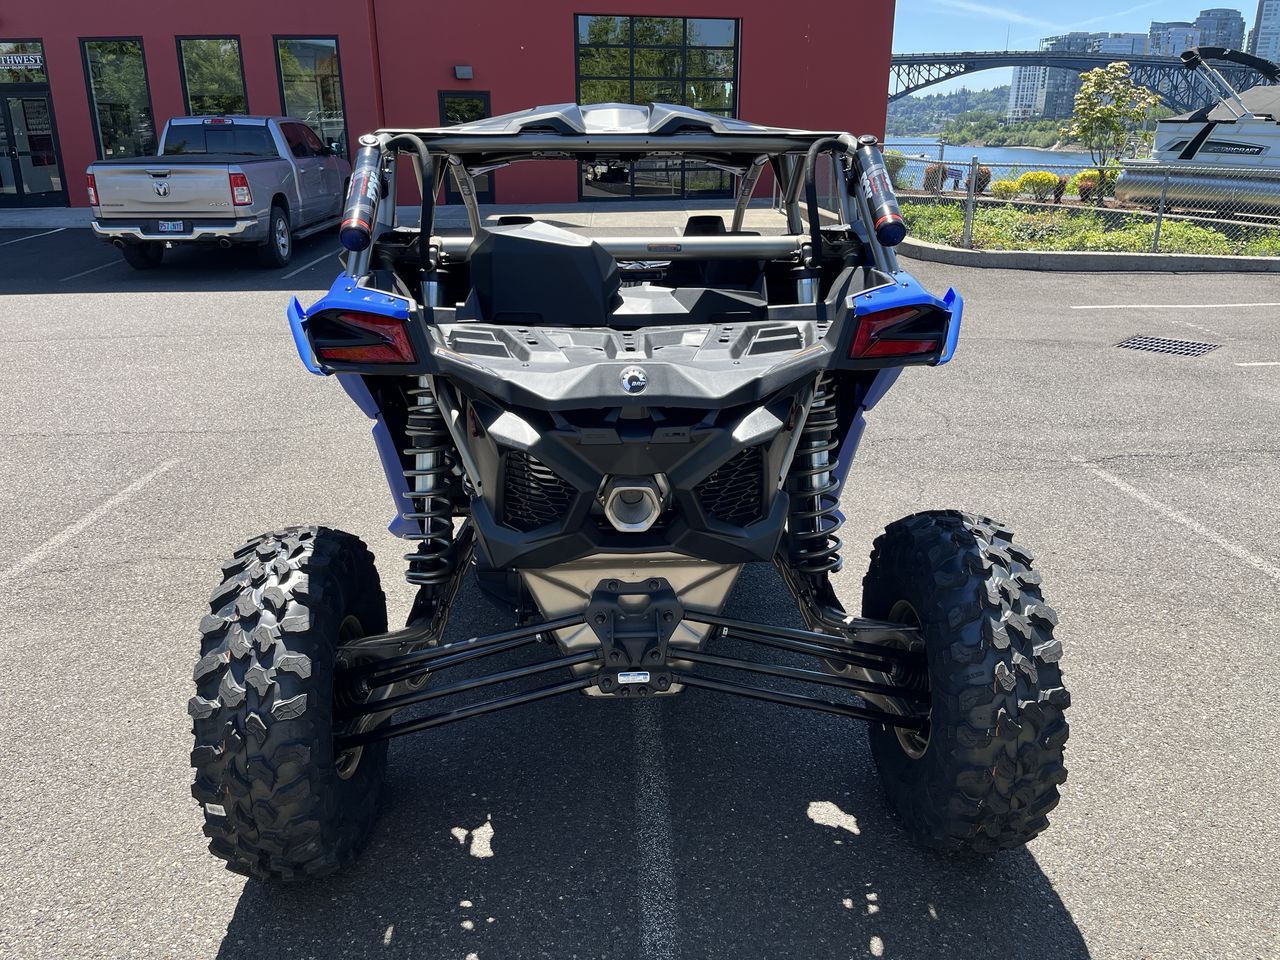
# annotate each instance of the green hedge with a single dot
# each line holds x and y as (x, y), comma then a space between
(1008, 228)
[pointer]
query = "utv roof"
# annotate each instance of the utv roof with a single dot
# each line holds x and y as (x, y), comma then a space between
(610, 128)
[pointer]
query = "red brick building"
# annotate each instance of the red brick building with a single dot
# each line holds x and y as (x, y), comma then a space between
(82, 79)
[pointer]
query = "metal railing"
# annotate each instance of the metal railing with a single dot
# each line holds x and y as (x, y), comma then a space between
(1140, 206)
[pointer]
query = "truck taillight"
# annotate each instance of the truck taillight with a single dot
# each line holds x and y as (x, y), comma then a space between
(241, 196)
(93, 191)
(895, 333)
(350, 337)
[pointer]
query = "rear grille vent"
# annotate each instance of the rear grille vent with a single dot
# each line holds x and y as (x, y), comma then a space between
(532, 494)
(1178, 348)
(734, 493)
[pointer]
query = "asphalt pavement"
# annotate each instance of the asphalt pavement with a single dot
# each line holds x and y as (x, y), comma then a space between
(152, 421)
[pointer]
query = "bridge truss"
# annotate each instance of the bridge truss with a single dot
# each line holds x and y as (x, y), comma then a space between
(1176, 86)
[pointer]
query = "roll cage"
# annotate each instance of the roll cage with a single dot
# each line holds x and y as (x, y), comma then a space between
(620, 133)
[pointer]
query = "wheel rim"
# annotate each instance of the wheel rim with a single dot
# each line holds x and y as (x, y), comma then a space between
(914, 676)
(282, 236)
(347, 762)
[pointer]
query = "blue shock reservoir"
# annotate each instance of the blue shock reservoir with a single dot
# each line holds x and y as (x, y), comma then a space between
(886, 218)
(356, 232)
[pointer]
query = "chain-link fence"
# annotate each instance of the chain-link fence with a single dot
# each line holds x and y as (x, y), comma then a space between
(1132, 208)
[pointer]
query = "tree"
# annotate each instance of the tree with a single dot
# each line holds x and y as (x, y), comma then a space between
(1108, 106)
(215, 83)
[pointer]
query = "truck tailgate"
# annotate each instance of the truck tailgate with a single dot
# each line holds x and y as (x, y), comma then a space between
(158, 188)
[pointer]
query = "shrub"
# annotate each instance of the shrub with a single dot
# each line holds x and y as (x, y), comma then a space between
(1013, 228)
(1039, 183)
(1084, 184)
(936, 223)
(982, 181)
(894, 162)
(1262, 244)
(1004, 189)
(935, 175)
(1110, 174)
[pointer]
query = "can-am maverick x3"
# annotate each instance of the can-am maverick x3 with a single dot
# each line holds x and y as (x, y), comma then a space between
(605, 430)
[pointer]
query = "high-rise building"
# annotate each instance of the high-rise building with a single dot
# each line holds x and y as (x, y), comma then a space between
(1061, 86)
(1122, 44)
(1026, 95)
(1221, 27)
(1171, 38)
(1264, 41)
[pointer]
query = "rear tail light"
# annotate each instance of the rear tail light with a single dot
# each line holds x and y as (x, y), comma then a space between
(241, 195)
(900, 332)
(350, 337)
(93, 191)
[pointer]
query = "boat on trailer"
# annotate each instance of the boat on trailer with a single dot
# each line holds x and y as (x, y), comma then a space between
(1224, 157)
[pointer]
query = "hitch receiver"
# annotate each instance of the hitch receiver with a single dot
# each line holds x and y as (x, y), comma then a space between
(634, 623)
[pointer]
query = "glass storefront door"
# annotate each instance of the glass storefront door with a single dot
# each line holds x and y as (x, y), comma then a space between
(30, 171)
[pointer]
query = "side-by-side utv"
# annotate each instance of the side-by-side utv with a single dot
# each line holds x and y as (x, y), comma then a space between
(603, 431)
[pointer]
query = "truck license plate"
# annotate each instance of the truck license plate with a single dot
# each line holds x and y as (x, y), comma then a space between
(171, 226)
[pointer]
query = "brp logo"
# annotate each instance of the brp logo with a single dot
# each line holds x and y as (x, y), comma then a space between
(161, 188)
(634, 379)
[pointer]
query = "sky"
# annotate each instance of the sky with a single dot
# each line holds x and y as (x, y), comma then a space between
(927, 26)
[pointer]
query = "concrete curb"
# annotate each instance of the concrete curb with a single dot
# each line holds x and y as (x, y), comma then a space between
(1075, 262)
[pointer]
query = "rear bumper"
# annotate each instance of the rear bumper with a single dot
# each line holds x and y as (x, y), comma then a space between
(248, 230)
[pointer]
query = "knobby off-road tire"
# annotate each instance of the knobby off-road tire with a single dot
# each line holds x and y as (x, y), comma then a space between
(275, 804)
(987, 772)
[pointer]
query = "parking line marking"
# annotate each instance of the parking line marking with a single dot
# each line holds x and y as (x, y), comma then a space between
(653, 836)
(32, 236)
(1260, 363)
(1168, 306)
(308, 266)
(90, 270)
(1237, 551)
(90, 518)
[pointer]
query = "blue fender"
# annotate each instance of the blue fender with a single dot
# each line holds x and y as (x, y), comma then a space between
(297, 317)
(388, 455)
(906, 292)
(346, 295)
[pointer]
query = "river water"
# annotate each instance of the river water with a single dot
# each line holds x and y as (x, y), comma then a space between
(1029, 158)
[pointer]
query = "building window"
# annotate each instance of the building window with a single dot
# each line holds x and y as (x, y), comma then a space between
(22, 61)
(121, 101)
(466, 106)
(212, 75)
(680, 60)
(311, 85)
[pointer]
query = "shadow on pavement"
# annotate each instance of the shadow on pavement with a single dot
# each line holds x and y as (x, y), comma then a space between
(781, 844)
(74, 261)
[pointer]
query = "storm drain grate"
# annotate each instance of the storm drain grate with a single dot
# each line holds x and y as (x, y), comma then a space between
(1179, 348)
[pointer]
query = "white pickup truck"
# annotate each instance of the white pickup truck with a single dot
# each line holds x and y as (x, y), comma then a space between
(264, 181)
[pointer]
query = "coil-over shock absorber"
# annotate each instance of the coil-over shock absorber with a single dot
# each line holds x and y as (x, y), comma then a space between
(814, 519)
(429, 496)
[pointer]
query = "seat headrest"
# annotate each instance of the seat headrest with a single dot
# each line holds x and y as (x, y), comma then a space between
(705, 225)
(538, 273)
